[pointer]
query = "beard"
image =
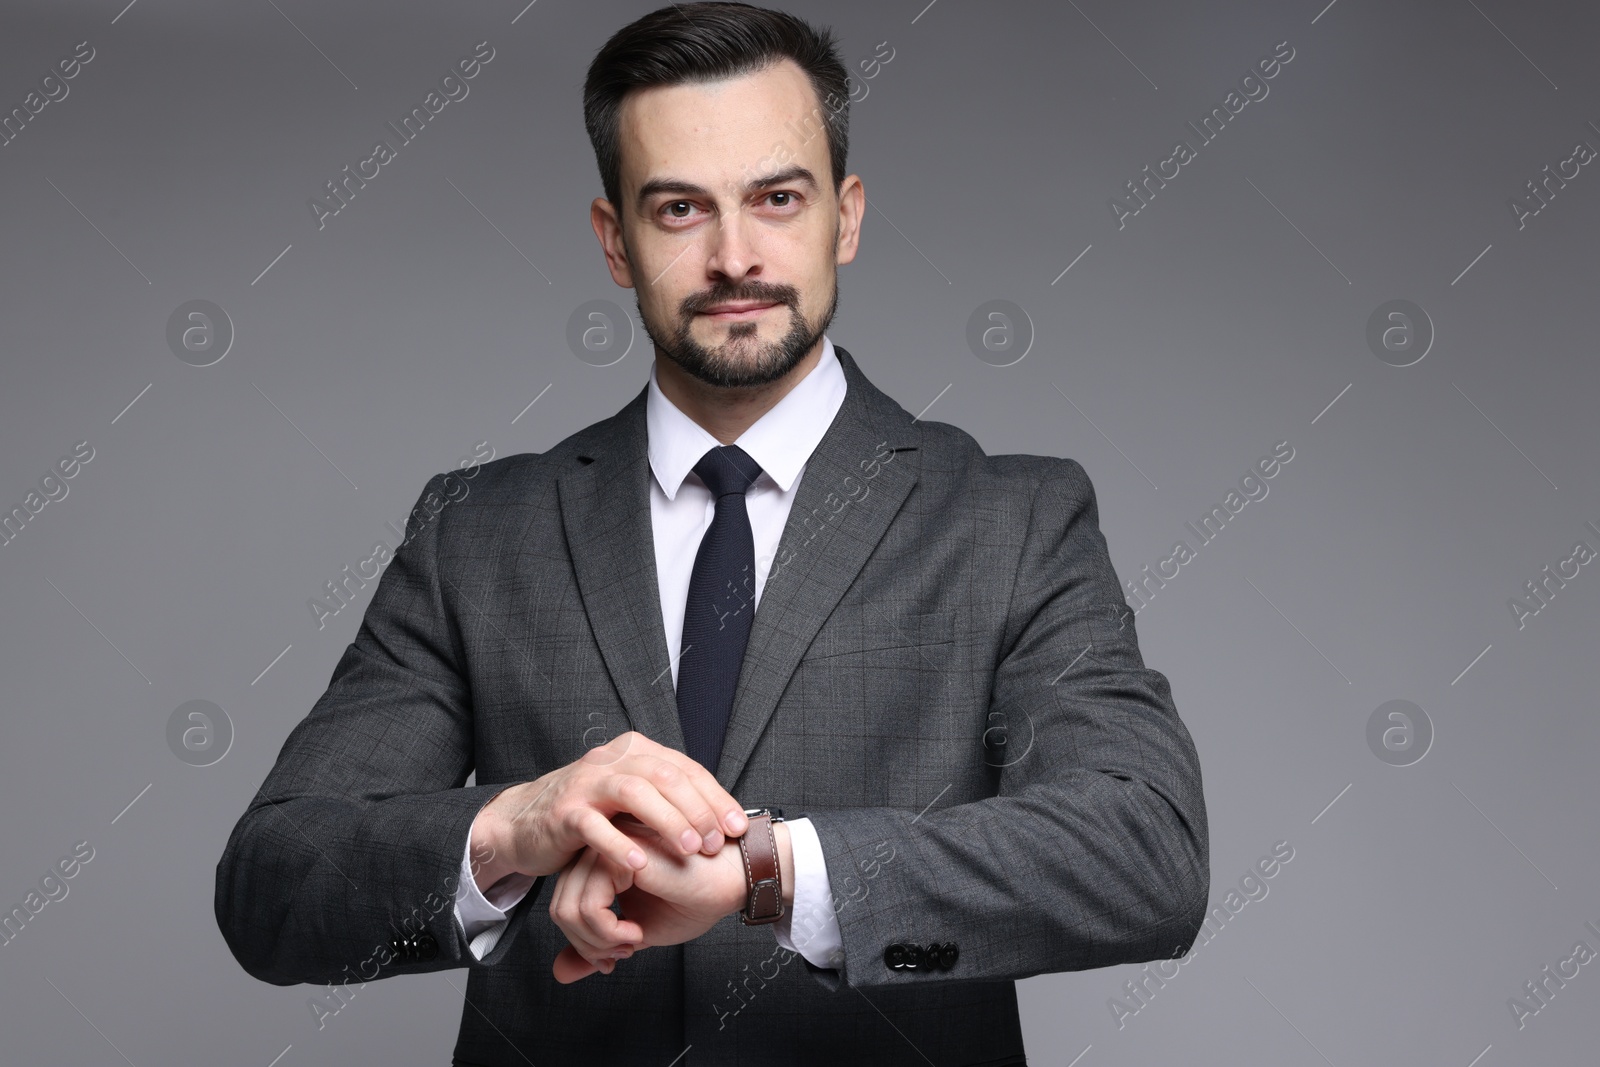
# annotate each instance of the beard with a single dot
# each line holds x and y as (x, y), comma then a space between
(741, 360)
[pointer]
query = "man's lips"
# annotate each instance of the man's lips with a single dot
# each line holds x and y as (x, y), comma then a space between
(738, 311)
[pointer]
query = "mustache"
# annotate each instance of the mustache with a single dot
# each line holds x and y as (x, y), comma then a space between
(779, 294)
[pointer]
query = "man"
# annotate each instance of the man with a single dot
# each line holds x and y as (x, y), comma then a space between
(763, 579)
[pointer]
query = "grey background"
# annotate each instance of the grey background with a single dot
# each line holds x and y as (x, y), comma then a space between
(1225, 317)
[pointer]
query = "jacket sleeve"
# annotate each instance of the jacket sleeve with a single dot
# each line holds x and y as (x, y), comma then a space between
(1094, 850)
(344, 866)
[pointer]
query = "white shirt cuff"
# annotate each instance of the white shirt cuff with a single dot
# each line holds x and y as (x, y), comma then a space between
(811, 926)
(483, 920)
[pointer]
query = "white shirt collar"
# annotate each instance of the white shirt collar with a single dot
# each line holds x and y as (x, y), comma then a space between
(780, 441)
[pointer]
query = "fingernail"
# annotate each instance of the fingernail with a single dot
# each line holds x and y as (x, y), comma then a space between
(715, 840)
(636, 858)
(737, 822)
(691, 841)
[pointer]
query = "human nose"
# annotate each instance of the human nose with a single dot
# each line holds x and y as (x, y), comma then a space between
(734, 250)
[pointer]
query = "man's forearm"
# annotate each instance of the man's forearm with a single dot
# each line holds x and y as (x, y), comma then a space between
(370, 874)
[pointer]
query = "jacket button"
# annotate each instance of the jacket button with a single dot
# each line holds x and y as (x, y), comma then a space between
(914, 958)
(947, 955)
(894, 956)
(427, 946)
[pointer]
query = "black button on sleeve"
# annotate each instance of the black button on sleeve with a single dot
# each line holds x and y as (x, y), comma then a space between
(894, 956)
(427, 946)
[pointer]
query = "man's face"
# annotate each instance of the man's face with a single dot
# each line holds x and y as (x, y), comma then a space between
(728, 202)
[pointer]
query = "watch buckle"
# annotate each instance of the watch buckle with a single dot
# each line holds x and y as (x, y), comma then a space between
(765, 889)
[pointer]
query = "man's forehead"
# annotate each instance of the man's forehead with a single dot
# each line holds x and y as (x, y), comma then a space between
(731, 124)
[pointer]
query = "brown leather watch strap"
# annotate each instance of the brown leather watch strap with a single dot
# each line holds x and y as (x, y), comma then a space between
(763, 878)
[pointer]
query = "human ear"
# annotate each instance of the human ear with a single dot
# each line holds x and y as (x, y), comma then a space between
(608, 230)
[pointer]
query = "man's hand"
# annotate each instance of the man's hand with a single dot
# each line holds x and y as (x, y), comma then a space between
(538, 827)
(673, 899)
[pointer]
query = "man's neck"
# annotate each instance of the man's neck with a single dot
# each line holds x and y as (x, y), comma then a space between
(727, 412)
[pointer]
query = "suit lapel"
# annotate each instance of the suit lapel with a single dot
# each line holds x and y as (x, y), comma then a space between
(823, 548)
(605, 509)
(848, 495)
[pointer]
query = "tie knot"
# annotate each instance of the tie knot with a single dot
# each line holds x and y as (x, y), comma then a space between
(727, 469)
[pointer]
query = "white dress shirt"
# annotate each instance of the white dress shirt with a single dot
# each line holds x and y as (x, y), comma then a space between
(681, 510)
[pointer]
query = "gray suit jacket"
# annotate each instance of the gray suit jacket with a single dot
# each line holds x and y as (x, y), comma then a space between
(941, 675)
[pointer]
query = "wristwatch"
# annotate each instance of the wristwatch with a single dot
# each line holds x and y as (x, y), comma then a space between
(762, 876)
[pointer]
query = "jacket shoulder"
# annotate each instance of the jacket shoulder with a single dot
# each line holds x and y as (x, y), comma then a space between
(521, 476)
(950, 449)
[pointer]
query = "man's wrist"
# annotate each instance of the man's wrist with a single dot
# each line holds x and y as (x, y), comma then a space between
(489, 841)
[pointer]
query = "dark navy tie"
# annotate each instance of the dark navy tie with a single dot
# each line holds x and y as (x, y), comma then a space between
(722, 601)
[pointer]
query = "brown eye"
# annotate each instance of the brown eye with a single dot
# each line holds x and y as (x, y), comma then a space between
(786, 195)
(672, 208)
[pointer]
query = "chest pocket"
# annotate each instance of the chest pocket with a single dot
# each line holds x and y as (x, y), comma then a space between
(870, 628)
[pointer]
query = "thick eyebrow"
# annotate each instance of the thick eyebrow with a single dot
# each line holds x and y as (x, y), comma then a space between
(792, 175)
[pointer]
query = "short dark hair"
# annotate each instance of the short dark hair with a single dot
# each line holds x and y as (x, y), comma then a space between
(699, 42)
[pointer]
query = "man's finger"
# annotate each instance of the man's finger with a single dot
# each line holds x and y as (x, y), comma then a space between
(727, 812)
(563, 900)
(597, 832)
(621, 877)
(594, 909)
(684, 787)
(638, 796)
(565, 909)
(569, 966)
(631, 744)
